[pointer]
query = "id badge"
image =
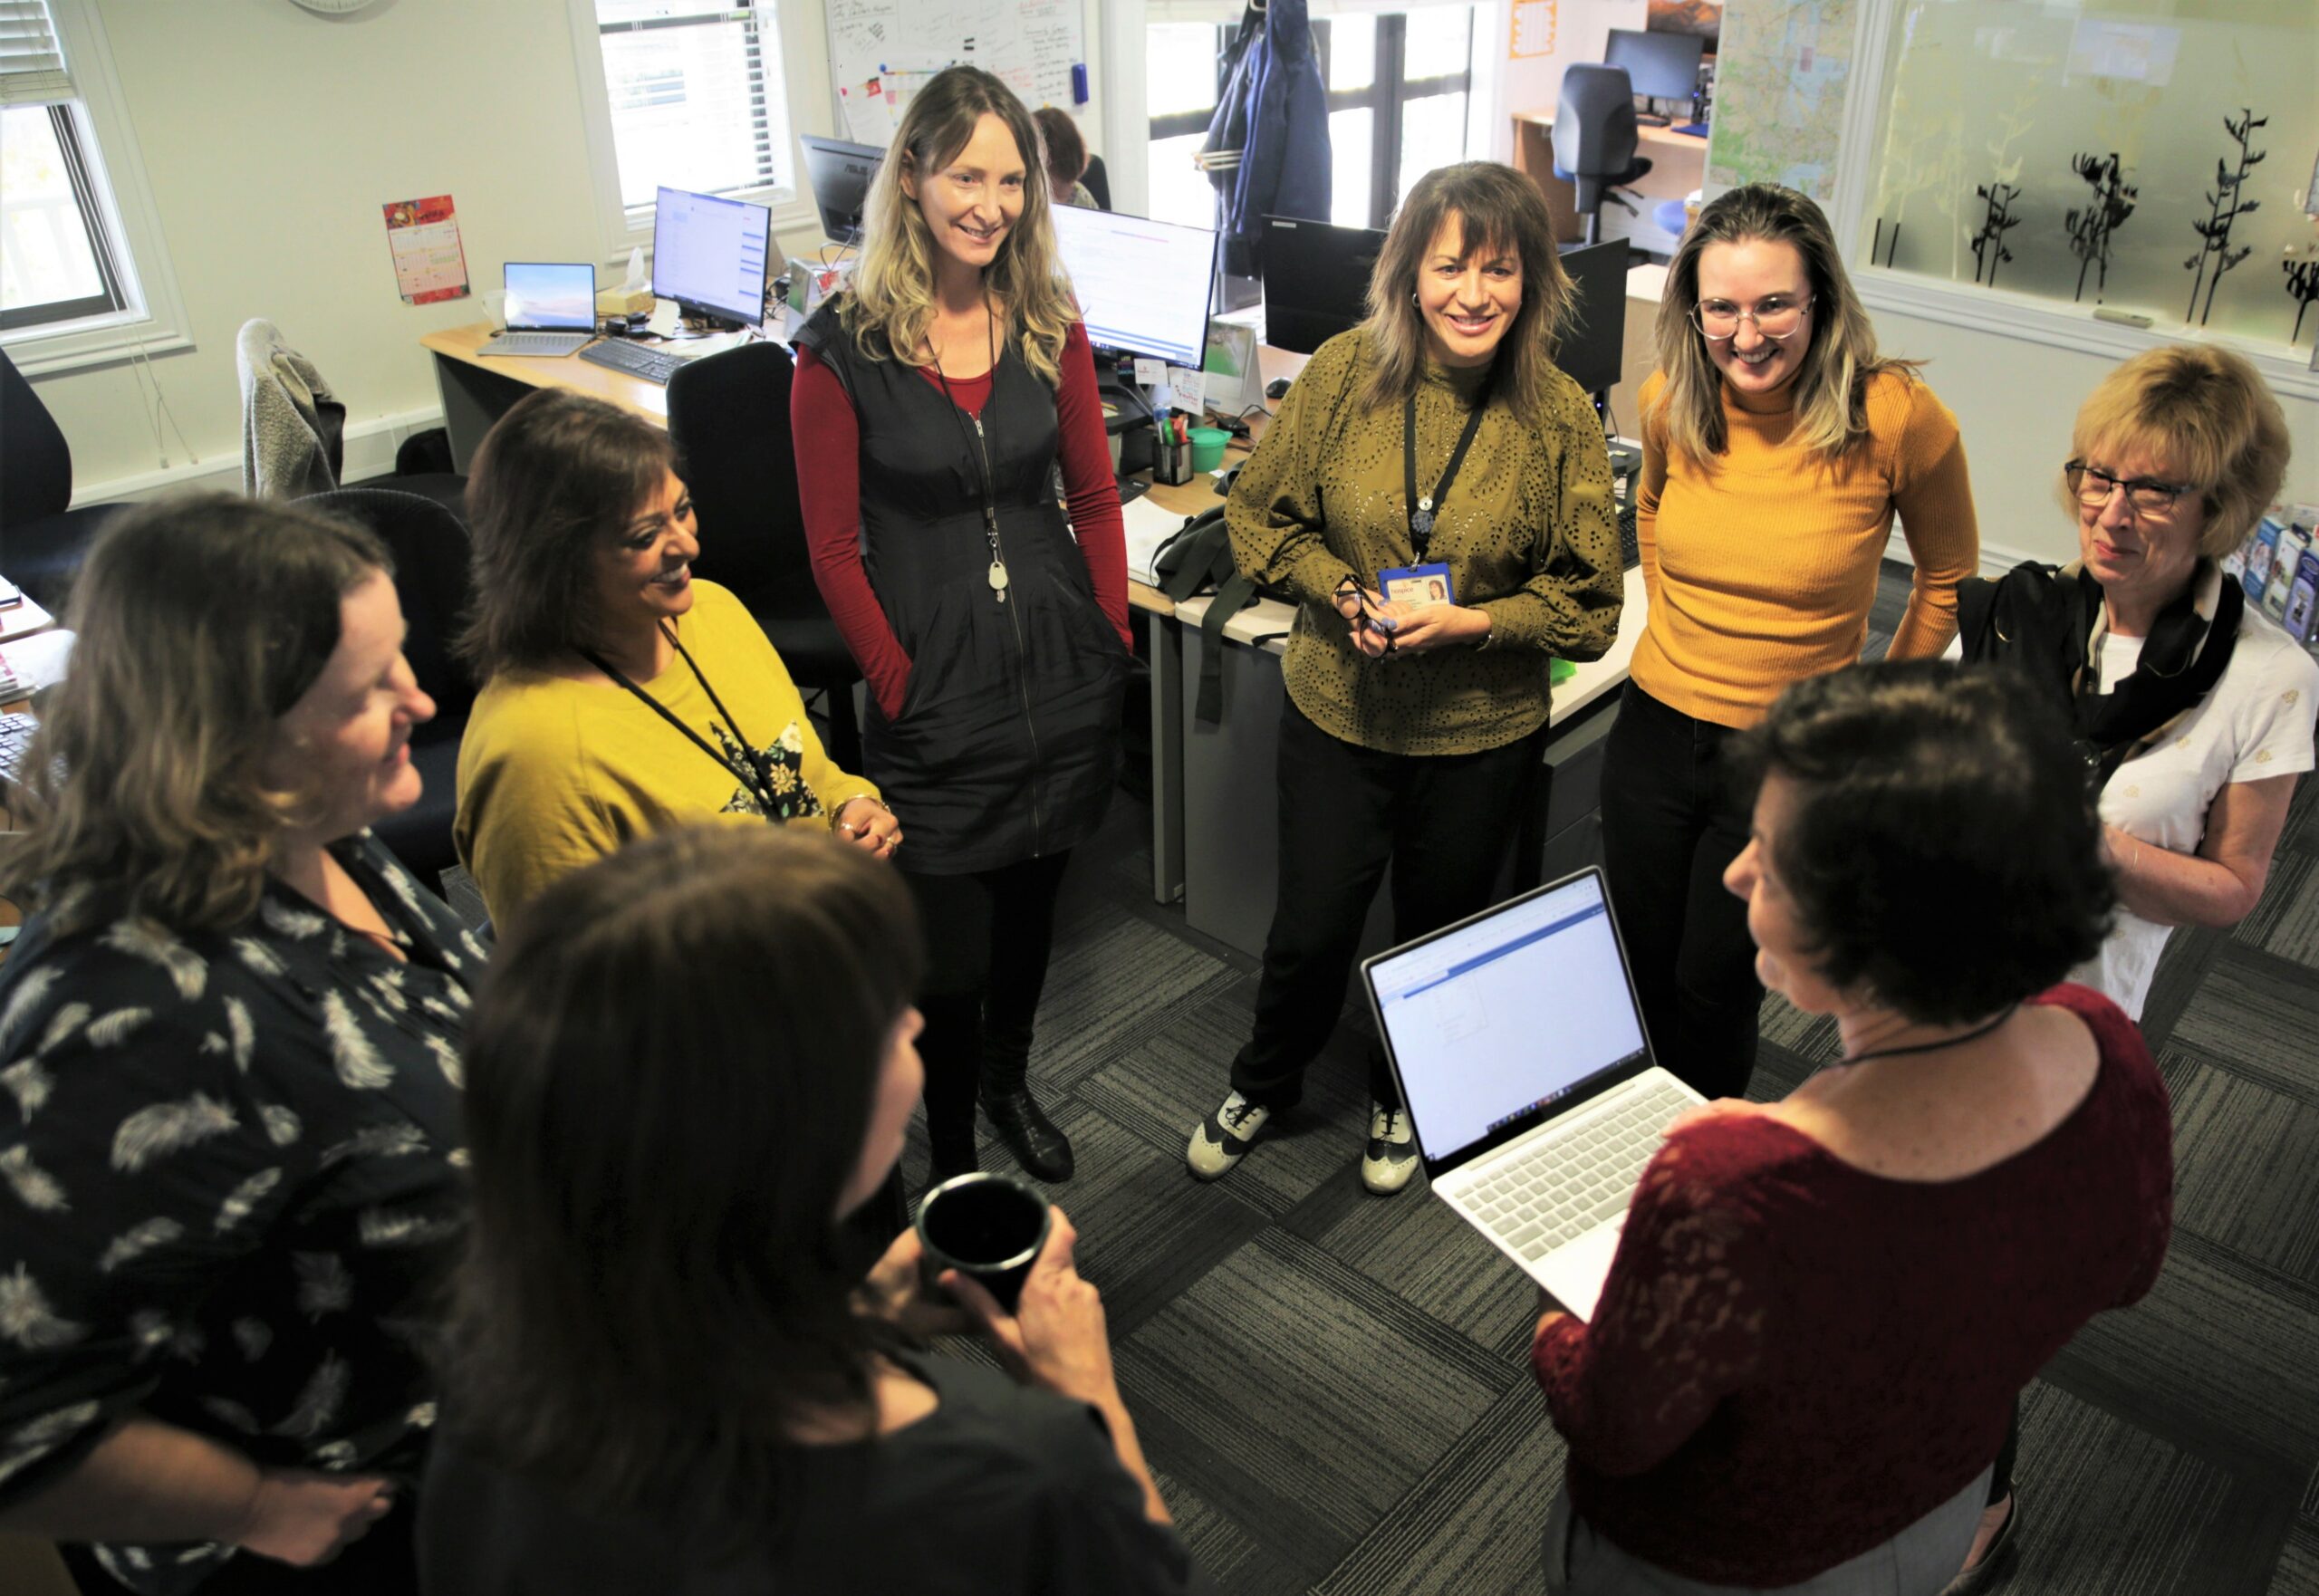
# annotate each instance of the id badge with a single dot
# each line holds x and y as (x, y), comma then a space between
(1416, 584)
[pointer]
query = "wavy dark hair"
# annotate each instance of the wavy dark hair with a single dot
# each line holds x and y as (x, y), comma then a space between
(202, 619)
(670, 1071)
(558, 477)
(1944, 853)
(1499, 212)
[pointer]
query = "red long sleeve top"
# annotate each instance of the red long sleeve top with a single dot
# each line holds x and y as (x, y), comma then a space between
(1793, 1360)
(828, 482)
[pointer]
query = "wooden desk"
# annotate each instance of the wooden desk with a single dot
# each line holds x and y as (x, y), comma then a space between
(1678, 165)
(477, 389)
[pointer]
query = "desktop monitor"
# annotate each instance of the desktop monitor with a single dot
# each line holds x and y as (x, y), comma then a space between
(1660, 66)
(1316, 280)
(839, 174)
(709, 255)
(1592, 344)
(1144, 287)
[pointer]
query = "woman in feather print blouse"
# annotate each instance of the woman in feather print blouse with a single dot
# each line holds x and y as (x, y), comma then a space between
(230, 1048)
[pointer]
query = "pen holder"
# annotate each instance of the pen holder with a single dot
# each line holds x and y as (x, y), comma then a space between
(1172, 462)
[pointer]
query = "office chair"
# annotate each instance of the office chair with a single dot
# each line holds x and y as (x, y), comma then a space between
(1595, 139)
(429, 545)
(1098, 181)
(42, 540)
(293, 429)
(728, 416)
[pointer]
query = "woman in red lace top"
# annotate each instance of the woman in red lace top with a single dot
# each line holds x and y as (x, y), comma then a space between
(1806, 1355)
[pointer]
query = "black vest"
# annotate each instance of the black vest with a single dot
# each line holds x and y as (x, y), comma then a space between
(1007, 744)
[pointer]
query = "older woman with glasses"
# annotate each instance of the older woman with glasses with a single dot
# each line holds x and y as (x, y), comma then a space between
(1778, 448)
(2194, 719)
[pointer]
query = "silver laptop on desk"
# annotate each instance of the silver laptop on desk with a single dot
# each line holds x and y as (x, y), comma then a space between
(550, 309)
(1521, 1055)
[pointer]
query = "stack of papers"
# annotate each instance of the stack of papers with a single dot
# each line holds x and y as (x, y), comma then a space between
(1147, 526)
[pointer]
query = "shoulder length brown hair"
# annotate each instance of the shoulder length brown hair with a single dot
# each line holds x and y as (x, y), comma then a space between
(891, 303)
(670, 1076)
(1839, 360)
(1499, 212)
(201, 618)
(558, 477)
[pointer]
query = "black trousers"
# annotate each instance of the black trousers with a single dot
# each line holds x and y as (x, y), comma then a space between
(1443, 823)
(1672, 825)
(988, 936)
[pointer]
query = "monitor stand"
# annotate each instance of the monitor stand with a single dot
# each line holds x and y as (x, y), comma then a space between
(698, 324)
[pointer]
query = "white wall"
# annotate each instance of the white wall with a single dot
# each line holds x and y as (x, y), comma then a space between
(1582, 30)
(272, 138)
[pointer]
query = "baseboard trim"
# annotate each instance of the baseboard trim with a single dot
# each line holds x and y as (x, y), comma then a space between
(370, 449)
(1997, 559)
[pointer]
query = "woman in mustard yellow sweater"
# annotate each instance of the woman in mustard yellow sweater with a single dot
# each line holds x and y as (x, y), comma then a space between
(1777, 449)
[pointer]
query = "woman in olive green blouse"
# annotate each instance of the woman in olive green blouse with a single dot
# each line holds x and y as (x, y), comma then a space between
(1437, 439)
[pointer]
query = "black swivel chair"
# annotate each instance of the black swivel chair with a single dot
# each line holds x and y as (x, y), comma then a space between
(1595, 139)
(429, 545)
(1098, 181)
(42, 540)
(728, 416)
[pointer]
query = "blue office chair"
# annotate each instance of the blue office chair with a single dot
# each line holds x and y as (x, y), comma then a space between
(1595, 139)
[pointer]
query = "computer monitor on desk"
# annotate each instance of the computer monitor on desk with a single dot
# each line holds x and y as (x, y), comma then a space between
(1661, 66)
(709, 254)
(1144, 287)
(839, 174)
(1592, 346)
(1316, 280)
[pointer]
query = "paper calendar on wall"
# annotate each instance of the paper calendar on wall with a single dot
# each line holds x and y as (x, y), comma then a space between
(883, 51)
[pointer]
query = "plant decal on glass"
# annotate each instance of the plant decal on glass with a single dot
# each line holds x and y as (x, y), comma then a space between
(1996, 220)
(2302, 286)
(2090, 228)
(2224, 208)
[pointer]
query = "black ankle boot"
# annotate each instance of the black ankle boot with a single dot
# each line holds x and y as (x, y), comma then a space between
(1038, 1144)
(954, 1158)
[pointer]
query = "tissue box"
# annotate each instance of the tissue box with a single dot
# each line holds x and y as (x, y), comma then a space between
(811, 281)
(623, 302)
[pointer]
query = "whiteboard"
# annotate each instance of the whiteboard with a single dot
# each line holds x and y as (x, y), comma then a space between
(883, 51)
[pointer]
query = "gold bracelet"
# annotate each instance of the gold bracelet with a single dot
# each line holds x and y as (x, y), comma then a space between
(838, 825)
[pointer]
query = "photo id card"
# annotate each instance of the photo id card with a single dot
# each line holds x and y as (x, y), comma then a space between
(1416, 584)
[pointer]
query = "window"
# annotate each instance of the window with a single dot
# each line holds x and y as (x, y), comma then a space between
(694, 95)
(71, 290)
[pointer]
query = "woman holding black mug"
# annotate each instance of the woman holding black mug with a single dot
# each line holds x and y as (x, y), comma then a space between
(663, 1377)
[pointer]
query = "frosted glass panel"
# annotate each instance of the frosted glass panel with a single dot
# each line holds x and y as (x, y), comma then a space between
(2028, 102)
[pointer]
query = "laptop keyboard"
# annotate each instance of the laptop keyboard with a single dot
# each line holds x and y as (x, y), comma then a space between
(634, 359)
(15, 742)
(1557, 1192)
(538, 343)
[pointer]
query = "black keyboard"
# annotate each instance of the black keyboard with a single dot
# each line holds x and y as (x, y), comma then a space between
(634, 359)
(15, 742)
(1630, 551)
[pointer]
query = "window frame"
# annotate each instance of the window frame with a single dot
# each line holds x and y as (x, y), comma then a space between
(151, 319)
(2004, 312)
(806, 106)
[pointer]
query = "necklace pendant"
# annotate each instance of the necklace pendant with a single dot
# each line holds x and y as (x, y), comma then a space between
(998, 579)
(1421, 521)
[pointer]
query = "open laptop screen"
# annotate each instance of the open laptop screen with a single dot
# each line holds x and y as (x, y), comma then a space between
(543, 298)
(1507, 1013)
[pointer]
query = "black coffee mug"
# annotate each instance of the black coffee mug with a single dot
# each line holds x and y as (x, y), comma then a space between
(987, 1226)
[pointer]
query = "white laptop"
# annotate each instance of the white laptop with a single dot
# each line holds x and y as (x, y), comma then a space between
(550, 309)
(1520, 1052)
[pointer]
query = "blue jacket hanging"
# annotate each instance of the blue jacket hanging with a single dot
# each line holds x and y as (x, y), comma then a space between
(1275, 110)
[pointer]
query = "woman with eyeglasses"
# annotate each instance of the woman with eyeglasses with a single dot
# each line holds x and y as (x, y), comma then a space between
(1778, 446)
(2194, 719)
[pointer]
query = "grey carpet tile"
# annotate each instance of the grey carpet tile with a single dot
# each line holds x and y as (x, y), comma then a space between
(2247, 1164)
(2257, 1017)
(1308, 1396)
(1426, 1256)
(2297, 1573)
(1810, 1038)
(1472, 1525)
(1241, 1560)
(2111, 1510)
(2217, 1358)
(1113, 981)
(2286, 922)
(2183, 970)
(1170, 1082)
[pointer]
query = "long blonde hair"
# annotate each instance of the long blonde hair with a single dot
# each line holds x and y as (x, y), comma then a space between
(891, 303)
(1499, 212)
(1832, 388)
(202, 619)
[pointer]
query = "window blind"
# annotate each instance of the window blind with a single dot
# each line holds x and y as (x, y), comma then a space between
(32, 59)
(1157, 12)
(696, 96)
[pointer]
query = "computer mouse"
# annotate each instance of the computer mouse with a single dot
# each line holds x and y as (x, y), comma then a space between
(1276, 388)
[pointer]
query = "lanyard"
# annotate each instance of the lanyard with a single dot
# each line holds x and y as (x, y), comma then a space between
(997, 575)
(757, 776)
(1421, 509)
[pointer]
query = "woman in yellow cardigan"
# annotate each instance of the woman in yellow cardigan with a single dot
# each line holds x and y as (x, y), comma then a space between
(619, 697)
(1777, 449)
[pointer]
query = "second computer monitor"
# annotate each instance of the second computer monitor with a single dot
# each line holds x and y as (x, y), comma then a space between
(1143, 286)
(1316, 280)
(709, 255)
(1591, 347)
(839, 174)
(1660, 66)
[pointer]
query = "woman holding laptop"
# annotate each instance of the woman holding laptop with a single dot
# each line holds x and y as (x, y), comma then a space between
(1804, 1363)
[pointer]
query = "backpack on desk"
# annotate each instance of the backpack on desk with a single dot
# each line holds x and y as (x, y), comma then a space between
(1198, 559)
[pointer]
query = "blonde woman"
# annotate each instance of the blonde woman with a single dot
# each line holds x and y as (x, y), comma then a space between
(933, 403)
(1777, 449)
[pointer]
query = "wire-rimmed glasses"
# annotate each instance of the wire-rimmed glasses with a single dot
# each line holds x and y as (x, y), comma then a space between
(1777, 318)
